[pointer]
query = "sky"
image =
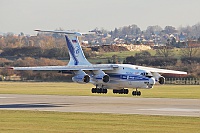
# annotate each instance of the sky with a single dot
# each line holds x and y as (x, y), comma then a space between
(83, 15)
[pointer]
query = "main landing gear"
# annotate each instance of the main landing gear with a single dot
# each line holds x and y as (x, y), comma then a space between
(122, 91)
(99, 90)
(136, 93)
(126, 91)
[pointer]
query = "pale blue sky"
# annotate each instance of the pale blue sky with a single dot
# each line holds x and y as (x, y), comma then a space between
(83, 15)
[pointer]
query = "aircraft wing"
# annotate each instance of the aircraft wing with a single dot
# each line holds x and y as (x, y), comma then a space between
(67, 68)
(93, 67)
(162, 71)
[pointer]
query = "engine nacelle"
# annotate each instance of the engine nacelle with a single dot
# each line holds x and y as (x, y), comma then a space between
(161, 80)
(81, 78)
(100, 78)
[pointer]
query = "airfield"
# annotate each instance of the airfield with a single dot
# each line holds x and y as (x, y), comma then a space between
(70, 107)
(99, 104)
(71, 97)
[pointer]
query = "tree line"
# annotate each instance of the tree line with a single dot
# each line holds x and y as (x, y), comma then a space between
(30, 75)
(36, 52)
(131, 34)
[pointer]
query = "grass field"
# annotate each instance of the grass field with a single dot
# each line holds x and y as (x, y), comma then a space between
(176, 52)
(104, 56)
(65, 88)
(47, 122)
(57, 122)
(124, 54)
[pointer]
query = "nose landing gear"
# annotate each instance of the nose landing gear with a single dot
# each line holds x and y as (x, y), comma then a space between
(136, 93)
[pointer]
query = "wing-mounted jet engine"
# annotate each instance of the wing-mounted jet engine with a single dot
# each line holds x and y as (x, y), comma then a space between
(160, 79)
(99, 77)
(81, 77)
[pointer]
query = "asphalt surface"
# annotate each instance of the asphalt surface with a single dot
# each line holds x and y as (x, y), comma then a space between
(101, 104)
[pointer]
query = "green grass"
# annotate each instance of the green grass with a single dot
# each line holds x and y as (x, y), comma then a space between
(103, 57)
(43, 122)
(56, 122)
(65, 88)
(121, 56)
(124, 54)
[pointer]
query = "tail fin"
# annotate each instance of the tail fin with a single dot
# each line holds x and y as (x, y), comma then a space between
(77, 56)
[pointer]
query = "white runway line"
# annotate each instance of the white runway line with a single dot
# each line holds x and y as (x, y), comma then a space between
(172, 109)
(6, 97)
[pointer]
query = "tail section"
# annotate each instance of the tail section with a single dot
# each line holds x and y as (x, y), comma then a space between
(77, 56)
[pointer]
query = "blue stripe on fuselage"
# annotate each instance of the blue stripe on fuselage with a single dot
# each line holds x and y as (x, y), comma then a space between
(71, 49)
(128, 77)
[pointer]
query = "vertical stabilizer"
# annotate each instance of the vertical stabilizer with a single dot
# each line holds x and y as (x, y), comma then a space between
(77, 56)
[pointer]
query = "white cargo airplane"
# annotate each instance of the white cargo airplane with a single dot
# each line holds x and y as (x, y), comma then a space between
(104, 76)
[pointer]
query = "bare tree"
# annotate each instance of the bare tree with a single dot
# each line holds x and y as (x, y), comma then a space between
(165, 51)
(190, 51)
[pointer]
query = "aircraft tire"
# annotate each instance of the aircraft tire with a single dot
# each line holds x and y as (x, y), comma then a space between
(104, 91)
(99, 90)
(126, 91)
(138, 93)
(115, 91)
(134, 93)
(94, 90)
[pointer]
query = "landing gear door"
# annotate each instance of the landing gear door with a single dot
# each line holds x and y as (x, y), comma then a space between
(129, 81)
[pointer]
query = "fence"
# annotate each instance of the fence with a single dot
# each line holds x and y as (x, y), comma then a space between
(183, 81)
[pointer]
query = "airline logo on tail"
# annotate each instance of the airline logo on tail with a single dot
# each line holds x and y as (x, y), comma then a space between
(74, 52)
(74, 41)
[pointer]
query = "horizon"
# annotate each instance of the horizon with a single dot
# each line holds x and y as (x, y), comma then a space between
(26, 16)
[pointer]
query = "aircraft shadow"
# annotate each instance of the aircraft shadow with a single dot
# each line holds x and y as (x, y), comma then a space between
(32, 105)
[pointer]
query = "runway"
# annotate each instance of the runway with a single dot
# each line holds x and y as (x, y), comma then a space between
(101, 104)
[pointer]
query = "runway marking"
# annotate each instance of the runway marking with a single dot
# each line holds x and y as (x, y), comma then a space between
(173, 109)
(6, 97)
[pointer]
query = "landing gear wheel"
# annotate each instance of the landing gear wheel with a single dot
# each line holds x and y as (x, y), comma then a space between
(122, 91)
(94, 90)
(136, 93)
(126, 91)
(99, 90)
(105, 91)
(115, 91)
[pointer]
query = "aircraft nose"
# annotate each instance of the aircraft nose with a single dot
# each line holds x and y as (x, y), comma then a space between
(151, 82)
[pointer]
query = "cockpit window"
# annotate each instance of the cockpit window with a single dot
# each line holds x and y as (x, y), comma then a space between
(145, 74)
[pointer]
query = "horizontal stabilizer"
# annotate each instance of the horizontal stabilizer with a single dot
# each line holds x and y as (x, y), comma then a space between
(65, 32)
